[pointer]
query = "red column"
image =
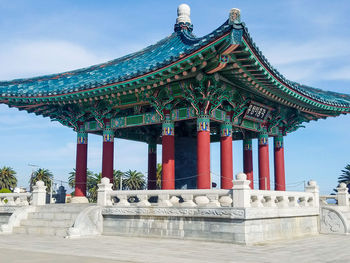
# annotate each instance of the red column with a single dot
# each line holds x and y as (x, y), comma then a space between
(264, 168)
(168, 156)
(248, 161)
(280, 180)
(152, 166)
(226, 156)
(81, 165)
(203, 153)
(108, 152)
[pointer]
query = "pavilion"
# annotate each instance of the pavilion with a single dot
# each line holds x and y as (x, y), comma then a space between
(183, 92)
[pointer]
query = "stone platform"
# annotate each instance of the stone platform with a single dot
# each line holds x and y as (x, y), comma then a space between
(38, 249)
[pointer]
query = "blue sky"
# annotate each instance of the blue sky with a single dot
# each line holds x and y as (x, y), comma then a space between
(307, 41)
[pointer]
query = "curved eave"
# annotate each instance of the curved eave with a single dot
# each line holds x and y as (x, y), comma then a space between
(284, 88)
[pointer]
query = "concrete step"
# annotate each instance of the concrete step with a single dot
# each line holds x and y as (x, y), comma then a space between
(47, 223)
(4, 218)
(59, 208)
(47, 231)
(53, 219)
(53, 215)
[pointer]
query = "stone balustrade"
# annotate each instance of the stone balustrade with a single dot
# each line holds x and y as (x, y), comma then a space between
(14, 199)
(341, 198)
(177, 198)
(260, 198)
(36, 197)
(240, 196)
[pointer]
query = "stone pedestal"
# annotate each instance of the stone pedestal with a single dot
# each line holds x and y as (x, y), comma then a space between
(39, 193)
(79, 200)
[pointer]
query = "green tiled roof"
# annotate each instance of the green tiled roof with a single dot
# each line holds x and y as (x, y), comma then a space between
(165, 52)
(159, 55)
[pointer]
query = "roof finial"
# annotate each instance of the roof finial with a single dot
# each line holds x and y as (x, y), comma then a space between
(183, 20)
(235, 16)
(183, 14)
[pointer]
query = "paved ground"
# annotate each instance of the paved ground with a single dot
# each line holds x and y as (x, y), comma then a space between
(25, 249)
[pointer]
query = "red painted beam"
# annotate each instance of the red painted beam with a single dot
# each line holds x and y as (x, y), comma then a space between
(226, 158)
(280, 180)
(168, 156)
(264, 166)
(81, 165)
(203, 153)
(152, 166)
(248, 161)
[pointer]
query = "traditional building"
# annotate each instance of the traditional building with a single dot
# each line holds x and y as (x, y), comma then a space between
(183, 92)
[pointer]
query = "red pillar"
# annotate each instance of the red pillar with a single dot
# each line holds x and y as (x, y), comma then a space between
(264, 168)
(152, 166)
(226, 160)
(280, 180)
(81, 165)
(168, 156)
(108, 152)
(203, 153)
(248, 161)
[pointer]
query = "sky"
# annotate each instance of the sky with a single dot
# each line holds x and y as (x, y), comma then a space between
(307, 41)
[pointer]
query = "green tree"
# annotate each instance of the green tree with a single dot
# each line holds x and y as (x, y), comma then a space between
(7, 178)
(71, 178)
(345, 176)
(92, 182)
(117, 176)
(159, 175)
(41, 175)
(134, 180)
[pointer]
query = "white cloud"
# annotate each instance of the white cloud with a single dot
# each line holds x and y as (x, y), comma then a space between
(31, 58)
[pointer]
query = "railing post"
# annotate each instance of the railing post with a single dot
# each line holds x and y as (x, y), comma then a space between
(312, 187)
(104, 192)
(39, 193)
(241, 189)
(343, 195)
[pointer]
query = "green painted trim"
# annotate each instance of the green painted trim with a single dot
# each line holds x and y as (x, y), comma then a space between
(82, 137)
(152, 148)
(263, 138)
(226, 129)
(168, 128)
(203, 123)
(247, 144)
(278, 142)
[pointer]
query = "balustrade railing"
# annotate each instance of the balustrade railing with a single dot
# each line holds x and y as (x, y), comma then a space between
(14, 199)
(281, 199)
(177, 198)
(341, 198)
(239, 196)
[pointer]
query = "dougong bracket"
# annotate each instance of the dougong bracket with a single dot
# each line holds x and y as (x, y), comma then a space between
(158, 103)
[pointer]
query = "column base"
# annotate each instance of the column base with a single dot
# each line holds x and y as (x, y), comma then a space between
(79, 200)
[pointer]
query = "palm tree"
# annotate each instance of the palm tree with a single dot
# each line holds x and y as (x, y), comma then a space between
(71, 178)
(117, 176)
(345, 176)
(159, 175)
(41, 175)
(92, 182)
(7, 178)
(134, 180)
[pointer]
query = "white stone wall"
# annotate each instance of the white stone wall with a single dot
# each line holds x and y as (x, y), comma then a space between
(243, 226)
